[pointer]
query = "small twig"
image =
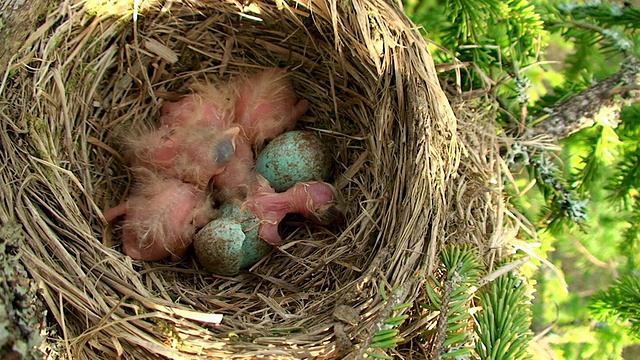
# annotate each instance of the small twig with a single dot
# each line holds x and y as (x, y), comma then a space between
(592, 259)
(443, 321)
(503, 270)
(452, 66)
(622, 89)
(549, 327)
(397, 298)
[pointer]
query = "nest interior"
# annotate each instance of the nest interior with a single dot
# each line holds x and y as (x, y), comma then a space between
(411, 176)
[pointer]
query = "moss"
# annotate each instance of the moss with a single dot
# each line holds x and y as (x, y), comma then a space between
(20, 308)
(168, 330)
(189, 61)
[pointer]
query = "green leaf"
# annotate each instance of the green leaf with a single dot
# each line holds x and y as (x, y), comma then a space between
(433, 297)
(396, 320)
(383, 291)
(384, 335)
(402, 306)
(620, 301)
(456, 353)
(378, 356)
(455, 338)
(388, 344)
(503, 323)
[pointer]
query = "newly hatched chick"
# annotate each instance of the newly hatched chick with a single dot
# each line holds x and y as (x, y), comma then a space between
(236, 179)
(209, 134)
(161, 217)
(191, 153)
(267, 105)
(208, 106)
(264, 104)
(314, 200)
(261, 105)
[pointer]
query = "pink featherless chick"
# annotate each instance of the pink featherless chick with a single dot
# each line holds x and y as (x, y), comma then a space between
(314, 200)
(209, 105)
(237, 179)
(191, 153)
(161, 217)
(267, 105)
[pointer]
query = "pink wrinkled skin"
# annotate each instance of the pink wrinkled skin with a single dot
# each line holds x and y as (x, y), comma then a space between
(311, 199)
(209, 106)
(236, 179)
(210, 137)
(262, 106)
(188, 153)
(161, 217)
(267, 105)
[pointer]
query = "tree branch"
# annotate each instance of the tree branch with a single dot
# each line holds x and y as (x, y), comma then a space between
(601, 102)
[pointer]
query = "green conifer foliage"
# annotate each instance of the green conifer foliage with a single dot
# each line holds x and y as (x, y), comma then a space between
(494, 46)
(503, 323)
(451, 297)
(621, 301)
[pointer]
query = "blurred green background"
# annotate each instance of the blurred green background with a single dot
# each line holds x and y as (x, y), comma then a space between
(531, 55)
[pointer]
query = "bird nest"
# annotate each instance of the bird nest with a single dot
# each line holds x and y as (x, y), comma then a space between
(410, 176)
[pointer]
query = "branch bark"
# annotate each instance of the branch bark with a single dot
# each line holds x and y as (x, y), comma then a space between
(601, 102)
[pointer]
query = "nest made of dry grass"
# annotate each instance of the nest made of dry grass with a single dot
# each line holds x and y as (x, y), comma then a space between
(410, 176)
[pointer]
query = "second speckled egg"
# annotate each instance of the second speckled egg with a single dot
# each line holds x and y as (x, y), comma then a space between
(253, 248)
(295, 156)
(218, 246)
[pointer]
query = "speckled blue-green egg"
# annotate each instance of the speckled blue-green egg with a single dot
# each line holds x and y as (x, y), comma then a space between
(253, 248)
(218, 246)
(295, 156)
